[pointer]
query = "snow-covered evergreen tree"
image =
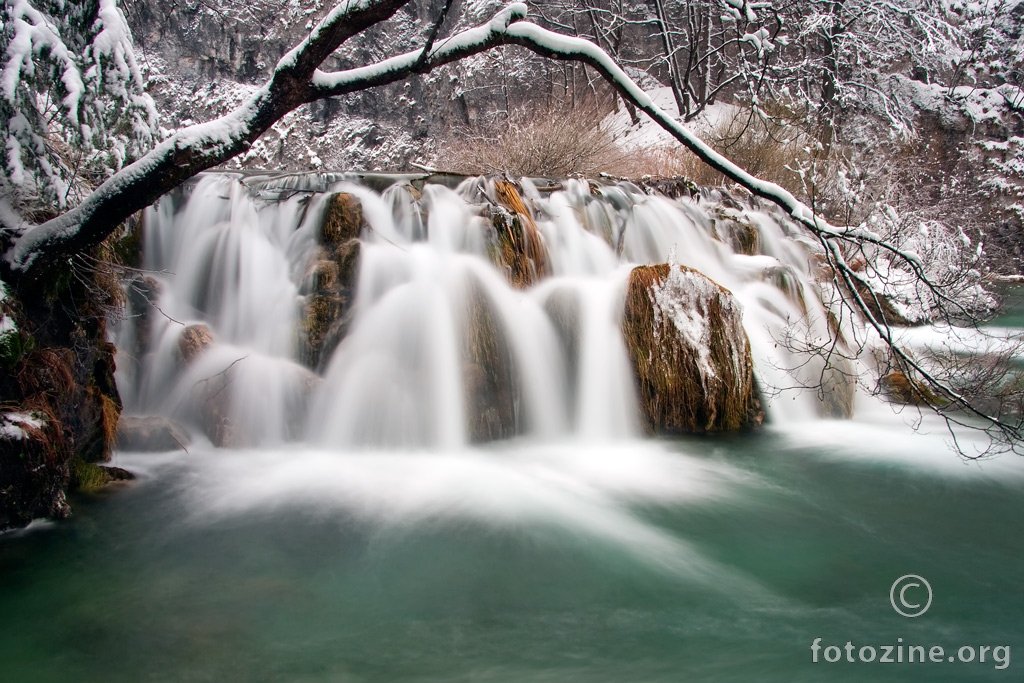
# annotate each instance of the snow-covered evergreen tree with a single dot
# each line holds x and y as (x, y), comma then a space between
(72, 105)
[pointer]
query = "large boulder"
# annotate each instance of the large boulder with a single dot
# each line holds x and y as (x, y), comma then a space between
(151, 433)
(689, 352)
(214, 404)
(213, 395)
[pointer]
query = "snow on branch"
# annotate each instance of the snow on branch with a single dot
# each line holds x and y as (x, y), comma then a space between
(73, 106)
(190, 150)
(33, 35)
(297, 80)
(459, 46)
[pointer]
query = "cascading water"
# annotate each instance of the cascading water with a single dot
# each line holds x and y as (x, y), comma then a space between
(435, 327)
(357, 349)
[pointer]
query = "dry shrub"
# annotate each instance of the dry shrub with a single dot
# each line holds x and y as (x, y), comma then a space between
(772, 143)
(46, 374)
(767, 143)
(536, 143)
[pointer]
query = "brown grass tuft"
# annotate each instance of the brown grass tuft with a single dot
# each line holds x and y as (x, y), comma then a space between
(111, 412)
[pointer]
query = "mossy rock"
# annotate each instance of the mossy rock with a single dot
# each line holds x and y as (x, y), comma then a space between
(899, 388)
(521, 250)
(34, 472)
(324, 277)
(319, 316)
(688, 384)
(326, 319)
(194, 340)
(343, 220)
(738, 232)
(87, 477)
(488, 373)
(65, 376)
(346, 257)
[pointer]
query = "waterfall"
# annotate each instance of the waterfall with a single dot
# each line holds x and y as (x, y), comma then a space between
(439, 338)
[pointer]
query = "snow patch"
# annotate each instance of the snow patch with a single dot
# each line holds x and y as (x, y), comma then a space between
(13, 425)
(681, 299)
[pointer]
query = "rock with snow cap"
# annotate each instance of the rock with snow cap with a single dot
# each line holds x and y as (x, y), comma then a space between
(689, 352)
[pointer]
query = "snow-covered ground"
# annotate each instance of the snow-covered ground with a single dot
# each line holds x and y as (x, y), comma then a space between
(646, 134)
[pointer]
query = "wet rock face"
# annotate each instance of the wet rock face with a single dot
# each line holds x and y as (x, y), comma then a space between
(521, 249)
(689, 352)
(34, 469)
(487, 374)
(332, 280)
(899, 388)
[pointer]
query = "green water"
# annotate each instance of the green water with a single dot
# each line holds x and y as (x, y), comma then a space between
(1011, 297)
(709, 560)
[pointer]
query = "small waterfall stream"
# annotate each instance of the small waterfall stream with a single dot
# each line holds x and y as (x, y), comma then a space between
(433, 466)
(239, 255)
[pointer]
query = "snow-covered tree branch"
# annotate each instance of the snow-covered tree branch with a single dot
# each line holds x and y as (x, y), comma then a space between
(296, 80)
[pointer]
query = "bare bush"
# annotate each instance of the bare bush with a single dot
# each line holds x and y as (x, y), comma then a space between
(547, 142)
(770, 141)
